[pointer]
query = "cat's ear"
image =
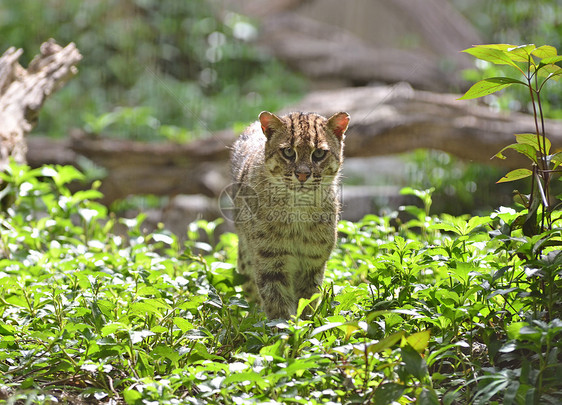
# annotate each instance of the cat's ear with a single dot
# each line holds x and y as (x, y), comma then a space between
(269, 123)
(338, 123)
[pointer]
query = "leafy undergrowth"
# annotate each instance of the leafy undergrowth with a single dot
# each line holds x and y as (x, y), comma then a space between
(440, 309)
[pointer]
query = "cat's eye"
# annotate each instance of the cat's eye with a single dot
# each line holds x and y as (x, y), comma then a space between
(319, 154)
(288, 153)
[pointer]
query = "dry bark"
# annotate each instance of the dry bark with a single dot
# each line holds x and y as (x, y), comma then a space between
(384, 120)
(23, 92)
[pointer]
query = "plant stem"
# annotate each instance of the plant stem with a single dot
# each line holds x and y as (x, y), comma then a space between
(545, 174)
(537, 131)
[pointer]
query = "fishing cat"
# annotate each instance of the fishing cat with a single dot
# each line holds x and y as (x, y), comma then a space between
(286, 176)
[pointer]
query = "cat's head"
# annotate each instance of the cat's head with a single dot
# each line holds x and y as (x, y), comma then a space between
(303, 148)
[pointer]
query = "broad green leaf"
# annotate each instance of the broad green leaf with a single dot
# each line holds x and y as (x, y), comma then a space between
(514, 329)
(83, 195)
(183, 324)
(132, 396)
(516, 174)
(249, 376)
(305, 302)
(388, 393)
(501, 47)
(159, 329)
(461, 271)
(522, 148)
(112, 328)
(428, 397)
(548, 68)
(325, 327)
(386, 343)
(166, 352)
(66, 174)
(146, 307)
(6, 329)
(419, 340)
(496, 54)
(553, 72)
(298, 365)
(551, 60)
(545, 51)
(531, 139)
(445, 227)
(353, 326)
(521, 53)
(415, 364)
(489, 86)
(476, 221)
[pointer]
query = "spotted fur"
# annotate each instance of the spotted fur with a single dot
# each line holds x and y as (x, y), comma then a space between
(286, 172)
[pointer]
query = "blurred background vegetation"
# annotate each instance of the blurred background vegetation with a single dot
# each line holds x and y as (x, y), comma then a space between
(175, 70)
(151, 69)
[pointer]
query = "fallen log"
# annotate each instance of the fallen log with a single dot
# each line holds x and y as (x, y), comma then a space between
(384, 120)
(395, 119)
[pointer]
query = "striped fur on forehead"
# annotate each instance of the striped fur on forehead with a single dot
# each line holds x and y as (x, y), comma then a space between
(305, 128)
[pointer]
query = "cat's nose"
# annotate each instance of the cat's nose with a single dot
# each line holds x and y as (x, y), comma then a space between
(302, 174)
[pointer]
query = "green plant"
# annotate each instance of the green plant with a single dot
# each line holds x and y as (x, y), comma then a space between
(536, 66)
(94, 308)
(530, 239)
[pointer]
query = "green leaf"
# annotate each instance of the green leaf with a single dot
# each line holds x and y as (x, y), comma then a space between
(525, 149)
(131, 396)
(553, 72)
(166, 352)
(489, 86)
(461, 271)
(325, 327)
(112, 328)
(415, 364)
(495, 53)
(183, 324)
(516, 174)
(249, 376)
(388, 393)
(386, 343)
(428, 397)
(6, 329)
(551, 60)
(419, 340)
(521, 53)
(545, 51)
(531, 139)
(148, 306)
(556, 159)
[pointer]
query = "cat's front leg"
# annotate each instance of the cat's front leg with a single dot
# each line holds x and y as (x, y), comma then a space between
(309, 282)
(274, 286)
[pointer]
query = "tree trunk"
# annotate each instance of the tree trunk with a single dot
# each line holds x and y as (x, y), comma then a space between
(384, 120)
(23, 92)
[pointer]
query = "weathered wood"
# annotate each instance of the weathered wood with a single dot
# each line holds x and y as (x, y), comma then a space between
(384, 120)
(23, 92)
